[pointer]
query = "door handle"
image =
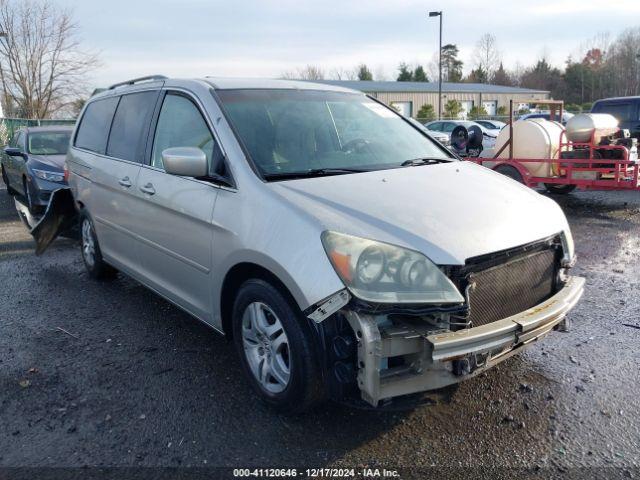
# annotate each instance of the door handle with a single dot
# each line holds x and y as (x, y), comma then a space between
(148, 189)
(125, 182)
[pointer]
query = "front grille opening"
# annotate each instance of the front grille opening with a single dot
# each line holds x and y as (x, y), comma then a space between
(510, 283)
(511, 288)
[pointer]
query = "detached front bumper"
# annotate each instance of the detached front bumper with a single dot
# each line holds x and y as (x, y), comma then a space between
(407, 357)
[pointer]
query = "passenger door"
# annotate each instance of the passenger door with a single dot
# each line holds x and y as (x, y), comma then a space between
(176, 230)
(115, 131)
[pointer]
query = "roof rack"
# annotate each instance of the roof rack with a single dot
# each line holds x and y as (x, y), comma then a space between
(138, 80)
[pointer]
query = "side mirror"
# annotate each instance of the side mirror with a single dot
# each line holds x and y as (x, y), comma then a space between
(14, 152)
(185, 161)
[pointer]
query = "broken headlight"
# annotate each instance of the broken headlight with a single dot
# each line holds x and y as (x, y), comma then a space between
(383, 273)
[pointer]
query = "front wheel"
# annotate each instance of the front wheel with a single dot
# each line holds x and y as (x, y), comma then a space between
(276, 348)
(97, 268)
(559, 189)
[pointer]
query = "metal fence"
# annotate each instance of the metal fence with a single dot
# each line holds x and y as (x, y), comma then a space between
(9, 126)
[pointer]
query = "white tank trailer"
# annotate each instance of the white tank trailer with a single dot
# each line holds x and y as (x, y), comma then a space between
(540, 139)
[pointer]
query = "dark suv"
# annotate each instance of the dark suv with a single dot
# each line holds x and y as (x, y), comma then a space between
(625, 109)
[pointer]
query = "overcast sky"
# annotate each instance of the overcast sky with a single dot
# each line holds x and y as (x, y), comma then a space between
(266, 38)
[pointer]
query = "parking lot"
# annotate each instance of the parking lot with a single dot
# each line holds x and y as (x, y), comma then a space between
(110, 374)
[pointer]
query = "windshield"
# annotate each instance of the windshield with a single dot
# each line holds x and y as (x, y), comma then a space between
(293, 131)
(49, 143)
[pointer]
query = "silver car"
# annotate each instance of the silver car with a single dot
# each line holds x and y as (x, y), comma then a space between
(344, 251)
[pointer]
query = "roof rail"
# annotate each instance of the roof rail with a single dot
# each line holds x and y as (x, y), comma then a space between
(138, 80)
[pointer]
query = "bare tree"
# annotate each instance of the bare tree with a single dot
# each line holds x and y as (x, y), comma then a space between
(42, 67)
(309, 72)
(343, 74)
(622, 64)
(486, 55)
(380, 73)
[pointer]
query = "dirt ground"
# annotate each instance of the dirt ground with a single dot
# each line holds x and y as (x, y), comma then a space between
(111, 375)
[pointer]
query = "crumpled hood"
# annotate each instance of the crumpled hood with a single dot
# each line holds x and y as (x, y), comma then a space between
(55, 161)
(450, 212)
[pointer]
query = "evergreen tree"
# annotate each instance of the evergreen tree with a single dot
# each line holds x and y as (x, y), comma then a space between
(451, 65)
(419, 74)
(406, 74)
(364, 73)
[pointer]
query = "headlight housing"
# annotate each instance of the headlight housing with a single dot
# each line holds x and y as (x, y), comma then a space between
(383, 273)
(49, 176)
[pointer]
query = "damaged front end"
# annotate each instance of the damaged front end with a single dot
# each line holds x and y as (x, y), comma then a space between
(512, 298)
(60, 218)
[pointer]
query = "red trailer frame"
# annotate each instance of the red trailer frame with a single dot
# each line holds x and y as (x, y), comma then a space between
(589, 173)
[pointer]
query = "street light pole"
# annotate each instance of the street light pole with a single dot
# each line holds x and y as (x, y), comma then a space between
(439, 14)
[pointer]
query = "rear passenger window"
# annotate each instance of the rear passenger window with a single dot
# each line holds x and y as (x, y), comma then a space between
(94, 125)
(181, 124)
(130, 123)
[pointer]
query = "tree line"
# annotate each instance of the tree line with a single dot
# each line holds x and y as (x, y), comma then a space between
(44, 69)
(602, 69)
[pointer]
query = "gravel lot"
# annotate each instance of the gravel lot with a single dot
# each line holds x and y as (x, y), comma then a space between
(109, 374)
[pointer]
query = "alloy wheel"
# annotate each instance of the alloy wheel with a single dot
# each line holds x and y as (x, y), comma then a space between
(88, 243)
(266, 347)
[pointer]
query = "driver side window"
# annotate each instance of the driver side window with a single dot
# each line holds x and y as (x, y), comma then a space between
(181, 124)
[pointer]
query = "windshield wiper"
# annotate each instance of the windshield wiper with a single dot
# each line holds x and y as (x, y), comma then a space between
(314, 172)
(423, 161)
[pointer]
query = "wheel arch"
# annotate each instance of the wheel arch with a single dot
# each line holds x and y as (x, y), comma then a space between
(235, 277)
(524, 173)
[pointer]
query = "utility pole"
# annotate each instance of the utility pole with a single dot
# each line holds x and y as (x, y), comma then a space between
(439, 14)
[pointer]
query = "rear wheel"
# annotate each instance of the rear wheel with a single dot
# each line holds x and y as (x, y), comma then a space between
(91, 255)
(511, 172)
(276, 349)
(559, 189)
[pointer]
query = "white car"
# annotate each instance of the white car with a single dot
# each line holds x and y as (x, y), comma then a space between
(447, 126)
(493, 126)
(443, 138)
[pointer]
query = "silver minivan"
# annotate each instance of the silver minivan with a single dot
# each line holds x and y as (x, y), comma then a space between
(346, 253)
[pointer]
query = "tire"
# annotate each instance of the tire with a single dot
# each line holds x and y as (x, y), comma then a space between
(34, 209)
(276, 348)
(511, 172)
(96, 267)
(559, 189)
